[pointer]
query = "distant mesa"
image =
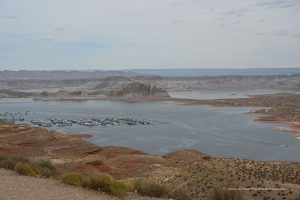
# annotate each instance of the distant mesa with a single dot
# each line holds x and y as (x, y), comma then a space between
(138, 89)
(131, 90)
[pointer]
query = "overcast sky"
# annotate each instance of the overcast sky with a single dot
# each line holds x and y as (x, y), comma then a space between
(119, 34)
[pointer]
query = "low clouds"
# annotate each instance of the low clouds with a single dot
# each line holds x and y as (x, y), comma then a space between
(58, 29)
(287, 33)
(271, 4)
(48, 38)
(184, 3)
(236, 12)
(8, 16)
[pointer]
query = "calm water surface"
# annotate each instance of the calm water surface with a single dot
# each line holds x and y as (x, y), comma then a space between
(215, 131)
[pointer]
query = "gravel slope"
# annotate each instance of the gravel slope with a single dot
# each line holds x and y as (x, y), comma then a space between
(15, 187)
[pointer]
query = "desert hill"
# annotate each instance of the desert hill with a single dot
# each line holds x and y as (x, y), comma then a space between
(14, 186)
(195, 172)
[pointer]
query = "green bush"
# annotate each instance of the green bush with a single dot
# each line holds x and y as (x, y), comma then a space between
(10, 162)
(120, 189)
(86, 182)
(101, 183)
(179, 194)
(48, 165)
(220, 194)
(24, 169)
(150, 189)
(45, 169)
(3, 157)
(7, 163)
(106, 184)
(72, 178)
(98, 182)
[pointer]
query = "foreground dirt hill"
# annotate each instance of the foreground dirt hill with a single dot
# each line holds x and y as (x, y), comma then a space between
(196, 173)
(14, 186)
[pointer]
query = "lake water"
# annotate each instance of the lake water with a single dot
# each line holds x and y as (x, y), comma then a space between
(231, 94)
(215, 131)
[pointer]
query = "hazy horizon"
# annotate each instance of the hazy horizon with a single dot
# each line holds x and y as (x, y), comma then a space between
(143, 34)
(159, 68)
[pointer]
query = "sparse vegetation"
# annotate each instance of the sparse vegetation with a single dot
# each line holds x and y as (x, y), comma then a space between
(220, 194)
(106, 184)
(101, 183)
(45, 169)
(24, 169)
(47, 164)
(7, 163)
(72, 178)
(119, 188)
(150, 189)
(98, 182)
(86, 182)
(179, 194)
(10, 162)
(3, 157)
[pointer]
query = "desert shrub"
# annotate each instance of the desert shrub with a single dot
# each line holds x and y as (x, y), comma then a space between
(119, 188)
(10, 162)
(24, 169)
(72, 178)
(45, 172)
(220, 194)
(3, 157)
(7, 163)
(150, 189)
(45, 169)
(98, 182)
(47, 164)
(86, 182)
(106, 184)
(179, 194)
(101, 183)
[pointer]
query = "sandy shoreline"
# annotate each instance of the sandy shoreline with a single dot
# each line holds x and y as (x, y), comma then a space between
(73, 135)
(292, 127)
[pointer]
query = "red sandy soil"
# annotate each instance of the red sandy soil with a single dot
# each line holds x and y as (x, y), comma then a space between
(293, 127)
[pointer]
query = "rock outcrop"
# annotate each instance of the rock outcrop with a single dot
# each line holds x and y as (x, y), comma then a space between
(138, 90)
